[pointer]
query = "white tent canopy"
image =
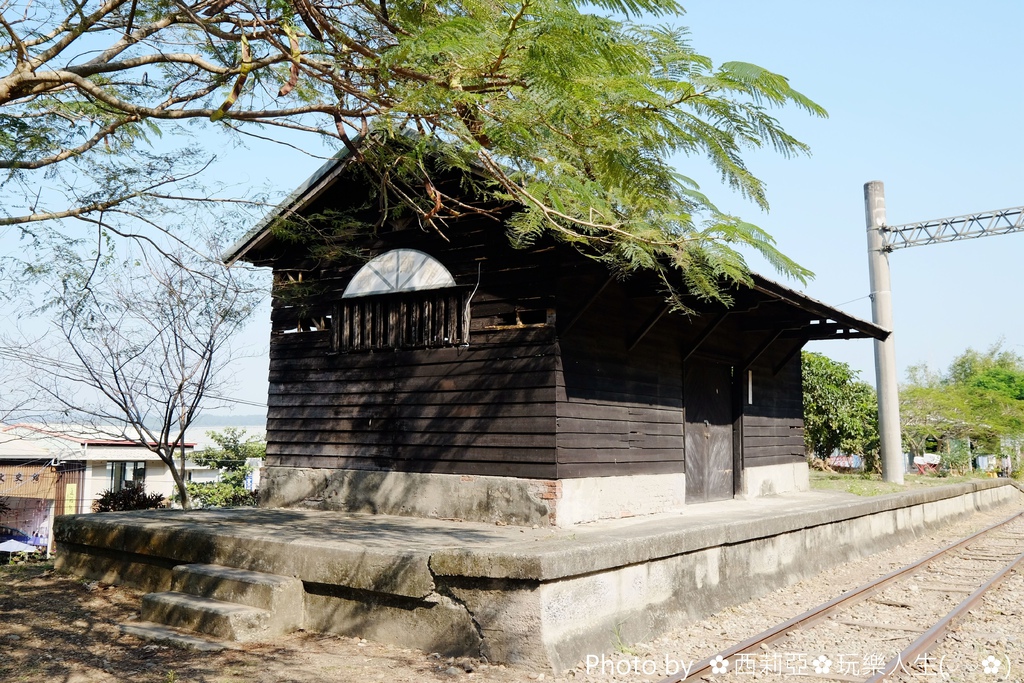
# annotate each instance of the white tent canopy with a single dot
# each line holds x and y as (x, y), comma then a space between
(13, 546)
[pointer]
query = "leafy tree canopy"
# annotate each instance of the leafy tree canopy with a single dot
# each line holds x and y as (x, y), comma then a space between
(995, 370)
(980, 397)
(840, 412)
(569, 110)
(234, 447)
(930, 410)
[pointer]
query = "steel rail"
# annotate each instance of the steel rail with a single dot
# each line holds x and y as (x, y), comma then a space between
(703, 667)
(938, 631)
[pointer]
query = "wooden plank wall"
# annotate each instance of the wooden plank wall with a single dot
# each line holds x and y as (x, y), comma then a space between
(619, 410)
(773, 426)
(487, 408)
(523, 399)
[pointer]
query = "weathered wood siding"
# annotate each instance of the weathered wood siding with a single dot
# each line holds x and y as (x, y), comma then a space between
(485, 408)
(773, 425)
(531, 395)
(619, 409)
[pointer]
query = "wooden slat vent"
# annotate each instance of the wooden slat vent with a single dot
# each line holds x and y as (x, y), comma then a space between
(409, 320)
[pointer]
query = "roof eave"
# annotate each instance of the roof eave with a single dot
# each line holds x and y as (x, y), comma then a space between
(324, 177)
(299, 199)
(779, 291)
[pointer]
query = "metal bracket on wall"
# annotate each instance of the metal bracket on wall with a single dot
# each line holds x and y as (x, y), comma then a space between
(788, 357)
(758, 352)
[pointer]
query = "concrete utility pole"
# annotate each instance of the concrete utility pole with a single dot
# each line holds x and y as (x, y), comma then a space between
(890, 442)
(883, 239)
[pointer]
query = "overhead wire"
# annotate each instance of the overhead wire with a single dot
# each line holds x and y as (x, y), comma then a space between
(47, 360)
(866, 296)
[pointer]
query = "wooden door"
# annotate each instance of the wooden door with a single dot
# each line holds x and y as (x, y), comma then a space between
(707, 401)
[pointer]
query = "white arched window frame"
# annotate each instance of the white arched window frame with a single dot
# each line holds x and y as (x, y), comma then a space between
(403, 298)
(399, 270)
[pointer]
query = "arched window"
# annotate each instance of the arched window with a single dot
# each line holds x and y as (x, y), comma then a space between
(399, 270)
(403, 298)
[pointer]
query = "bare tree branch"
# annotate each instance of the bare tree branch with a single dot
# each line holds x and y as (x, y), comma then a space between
(140, 350)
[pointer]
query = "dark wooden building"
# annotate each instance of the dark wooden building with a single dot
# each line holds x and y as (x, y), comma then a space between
(464, 378)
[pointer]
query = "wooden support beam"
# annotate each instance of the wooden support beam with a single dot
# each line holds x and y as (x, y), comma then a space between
(759, 351)
(738, 382)
(586, 305)
(704, 334)
(825, 331)
(780, 324)
(788, 357)
(646, 327)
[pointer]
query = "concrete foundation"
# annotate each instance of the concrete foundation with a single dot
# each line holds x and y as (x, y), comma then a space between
(598, 498)
(508, 500)
(536, 598)
(771, 480)
(519, 502)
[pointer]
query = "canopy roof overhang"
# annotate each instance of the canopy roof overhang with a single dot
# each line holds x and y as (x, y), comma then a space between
(813, 319)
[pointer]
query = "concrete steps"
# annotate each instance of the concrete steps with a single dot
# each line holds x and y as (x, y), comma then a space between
(166, 635)
(229, 603)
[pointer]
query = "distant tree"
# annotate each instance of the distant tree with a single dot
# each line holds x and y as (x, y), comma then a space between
(957, 457)
(230, 458)
(980, 398)
(931, 410)
(979, 402)
(5, 507)
(840, 412)
(993, 384)
(996, 368)
(14, 396)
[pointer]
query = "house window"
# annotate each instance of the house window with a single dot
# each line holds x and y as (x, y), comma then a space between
(127, 474)
(298, 303)
(401, 299)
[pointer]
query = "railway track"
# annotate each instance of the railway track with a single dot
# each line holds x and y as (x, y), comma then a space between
(885, 628)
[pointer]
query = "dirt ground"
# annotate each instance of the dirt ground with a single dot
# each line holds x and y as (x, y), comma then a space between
(60, 629)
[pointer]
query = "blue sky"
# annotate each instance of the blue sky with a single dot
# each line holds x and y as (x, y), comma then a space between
(925, 97)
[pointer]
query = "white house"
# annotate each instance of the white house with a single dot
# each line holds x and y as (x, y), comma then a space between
(45, 471)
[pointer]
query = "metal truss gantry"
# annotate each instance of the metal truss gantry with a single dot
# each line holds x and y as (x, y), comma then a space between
(953, 229)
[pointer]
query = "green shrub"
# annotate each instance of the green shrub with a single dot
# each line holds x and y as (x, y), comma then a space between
(957, 459)
(128, 498)
(1016, 467)
(220, 494)
(230, 457)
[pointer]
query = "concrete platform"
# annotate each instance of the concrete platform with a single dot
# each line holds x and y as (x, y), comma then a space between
(537, 598)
